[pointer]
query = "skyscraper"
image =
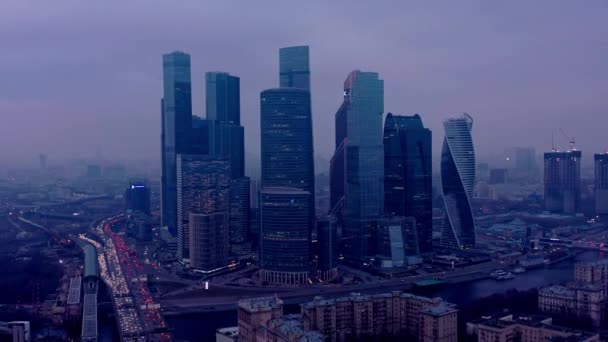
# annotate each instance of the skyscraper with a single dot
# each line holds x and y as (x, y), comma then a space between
(601, 184)
(223, 97)
(294, 67)
(458, 182)
(226, 138)
(286, 132)
(285, 242)
(287, 180)
(562, 181)
(137, 197)
(203, 188)
(357, 167)
(408, 174)
(176, 126)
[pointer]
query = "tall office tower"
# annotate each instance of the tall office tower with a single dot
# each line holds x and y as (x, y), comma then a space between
(203, 188)
(137, 197)
(287, 162)
(176, 126)
(287, 148)
(285, 242)
(223, 97)
(601, 184)
(357, 166)
(226, 137)
(458, 182)
(563, 181)
(408, 175)
(525, 159)
(294, 67)
(42, 159)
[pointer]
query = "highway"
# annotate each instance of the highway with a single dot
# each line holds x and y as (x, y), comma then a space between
(138, 315)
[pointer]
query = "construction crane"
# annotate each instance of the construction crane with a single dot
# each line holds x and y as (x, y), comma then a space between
(571, 140)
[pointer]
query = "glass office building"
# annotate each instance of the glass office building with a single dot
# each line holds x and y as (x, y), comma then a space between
(294, 67)
(176, 111)
(203, 187)
(408, 174)
(458, 182)
(357, 167)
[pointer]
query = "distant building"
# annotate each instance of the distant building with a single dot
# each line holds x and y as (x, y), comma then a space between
(458, 183)
(93, 171)
(294, 67)
(137, 197)
(562, 180)
(525, 329)
(203, 191)
(176, 113)
(285, 250)
(254, 313)
(42, 161)
(394, 314)
(357, 166)
(525, 159)
(578, 299)
(408, 174)
(601, 184)
(498, 176)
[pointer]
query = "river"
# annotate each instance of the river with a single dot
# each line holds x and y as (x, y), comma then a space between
(201, 327)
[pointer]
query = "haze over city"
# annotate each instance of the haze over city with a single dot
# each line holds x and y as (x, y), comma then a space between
(313, 171)
(81, 76)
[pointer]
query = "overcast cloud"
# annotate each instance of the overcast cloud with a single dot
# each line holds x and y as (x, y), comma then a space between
(75, 75)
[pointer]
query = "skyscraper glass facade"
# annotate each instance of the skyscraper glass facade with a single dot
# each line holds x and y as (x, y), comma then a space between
(176, 126)
(408, 174)
(203, 187)
(223, 97)
(294, 67)
(562, 180)
(357, 167)
(286, 133)
(601, 184)
(285, 242)
(458, 182)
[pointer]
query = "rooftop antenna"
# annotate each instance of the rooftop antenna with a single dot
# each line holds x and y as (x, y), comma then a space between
(552, 141)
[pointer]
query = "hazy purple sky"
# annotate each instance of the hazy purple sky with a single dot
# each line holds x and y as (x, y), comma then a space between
(75, 75)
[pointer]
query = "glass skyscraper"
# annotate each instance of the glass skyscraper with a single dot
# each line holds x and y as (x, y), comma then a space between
(203, 188)
(226, 137)
(285, 238)
(287, 200)
(176, 111)
(286, 132)
(294, 67)
(408, 174)
(357, 167)
(562, 180)
(137, 197)
(223, 97)
(458, 183)
(601, 184)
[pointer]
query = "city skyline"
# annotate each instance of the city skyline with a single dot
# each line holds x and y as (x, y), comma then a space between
(503, 74)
